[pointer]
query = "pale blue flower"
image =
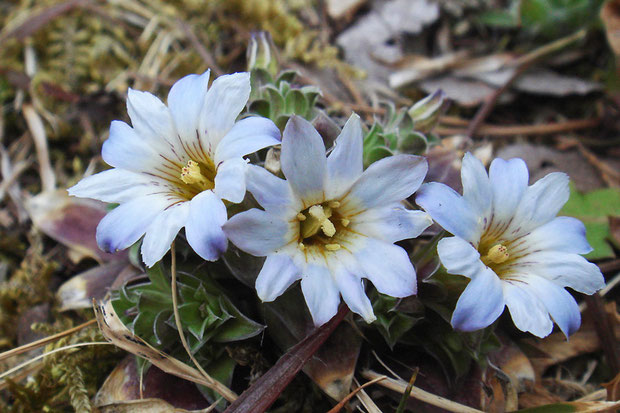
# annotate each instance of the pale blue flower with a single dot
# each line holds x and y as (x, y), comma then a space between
(177, 163)
(509, 242)
(330, 223)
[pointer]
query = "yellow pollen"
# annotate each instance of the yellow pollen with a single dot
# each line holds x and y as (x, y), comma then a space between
(334, 204)
(301, 246)
(332, 247)
(497, 254)
(345, 222)
(322, 217)
(191, 174)
(301, 217)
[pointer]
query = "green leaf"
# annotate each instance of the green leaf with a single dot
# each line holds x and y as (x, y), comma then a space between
(295, 103)
(593, 209)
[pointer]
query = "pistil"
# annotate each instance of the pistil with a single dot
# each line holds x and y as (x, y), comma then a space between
(191, 174)
(496, 255)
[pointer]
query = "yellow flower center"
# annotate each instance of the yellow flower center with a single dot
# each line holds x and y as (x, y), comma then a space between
(199, 177)
(319, 224)
(497, 254)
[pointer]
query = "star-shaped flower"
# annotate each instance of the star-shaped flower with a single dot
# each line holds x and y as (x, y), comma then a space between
(177, 163)
(512, 246)
(330, 223)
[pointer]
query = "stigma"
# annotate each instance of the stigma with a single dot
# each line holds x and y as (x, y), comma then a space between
(191, 174)
(496, 255)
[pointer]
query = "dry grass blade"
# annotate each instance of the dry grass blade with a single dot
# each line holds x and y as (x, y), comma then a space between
(344, 401)
(422, 395)
(366, 400)
(35, 124)
(44, 341)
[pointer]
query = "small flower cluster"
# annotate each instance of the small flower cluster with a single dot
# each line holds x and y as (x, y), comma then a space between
(330, 223)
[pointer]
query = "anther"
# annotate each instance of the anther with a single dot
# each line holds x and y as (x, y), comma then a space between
(345, 222)
(332, 247)
(301, 246)
(334, 204)
(497, 254)
(301, 217)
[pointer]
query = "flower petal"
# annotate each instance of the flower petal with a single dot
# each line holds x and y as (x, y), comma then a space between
(345, 163)
(125, 149)
(564, 269)
(153, 122)
(224, 101)
(541, 202)
(386, 181)
(481, 302)
(559, 303)
(270, 191)
(114, 186)
(450, 210)
(207, 214)
(508, 182)
(230, 180)
(125, 224)
(277, 274)
(392, 223)
(163, 231)
(459, 257)
(247, 136)
(186, 100)
(303, 160)
(476, 187)
(352, 290)
(388, 267)
(565, 234)
(320, 292)
(258, 232)
(527, 311)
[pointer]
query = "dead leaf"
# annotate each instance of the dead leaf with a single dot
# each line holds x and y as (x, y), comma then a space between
(341, 8)
(79, 291)
(123, 385)
(610, 14)
(366, 42)
(145, 406)
(465, 92)
(514, 363)
(72, 222)
(613, 388)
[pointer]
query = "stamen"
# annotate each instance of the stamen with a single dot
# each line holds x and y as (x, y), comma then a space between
(328, 228)
(301, 246)
(497, 254)
(191, 174)
(317, 212)
(334, 204)
(332, 247)
(345, 222)
(319, 218)
(301, 217)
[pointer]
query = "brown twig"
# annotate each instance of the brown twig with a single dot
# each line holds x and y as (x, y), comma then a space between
(604, 329)
(200, 49)
(514, 130)
(344, 401)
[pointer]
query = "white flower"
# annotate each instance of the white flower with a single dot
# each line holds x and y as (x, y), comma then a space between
(330, 223)
(512, 246)
(174, 167)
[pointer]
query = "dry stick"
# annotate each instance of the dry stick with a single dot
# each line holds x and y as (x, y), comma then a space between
(37, 130)
(214, 384)
(522, 64)
(513, 130)
(44, 341)
(200, 49)
(365, 399)
(604, 330)
(422, 395)
(344, 401)
(609, 174)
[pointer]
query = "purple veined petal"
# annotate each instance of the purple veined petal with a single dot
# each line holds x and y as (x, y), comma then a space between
(541, 202)
(207, 214)
(125, 149)
(388, 267)
(303, 160)
(230, 180)
(386, 181)
(125, 224)
(527, 311)
(562, 268)
(277, 274)
(559, 303)
(163, 231)
(185, 101)
(391, 223)
(450, 210)
(459, 257)
(114, 186)
(345, 163)
(480, 304)
(564, 234)
(247, 136)
(476, 186)
(320, 292)
(351, 286)
(152, 121)
(225, 99)
(270, 191)
(258, 232)
(509, 181)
